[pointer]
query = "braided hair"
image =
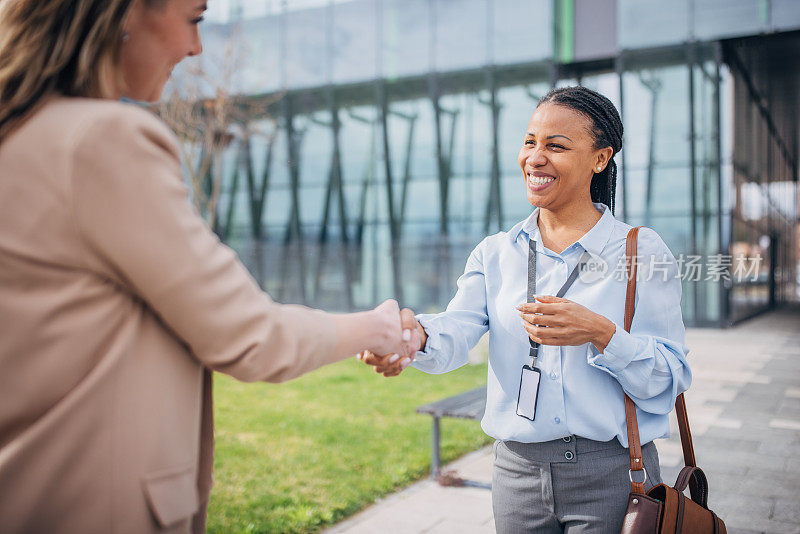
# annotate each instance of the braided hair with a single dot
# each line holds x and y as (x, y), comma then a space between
(606, 130)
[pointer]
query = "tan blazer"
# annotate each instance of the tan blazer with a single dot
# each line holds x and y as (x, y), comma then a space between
(115, 298)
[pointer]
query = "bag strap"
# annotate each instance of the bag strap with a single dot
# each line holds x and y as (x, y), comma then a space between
(697, 482)
(634, 444)
(686, 434)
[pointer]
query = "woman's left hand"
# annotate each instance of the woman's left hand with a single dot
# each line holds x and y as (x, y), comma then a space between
(558, 321)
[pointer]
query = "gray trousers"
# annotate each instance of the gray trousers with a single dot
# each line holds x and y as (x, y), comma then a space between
(571, 485)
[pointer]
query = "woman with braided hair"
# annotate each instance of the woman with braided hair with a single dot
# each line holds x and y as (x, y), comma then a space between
(559, 366)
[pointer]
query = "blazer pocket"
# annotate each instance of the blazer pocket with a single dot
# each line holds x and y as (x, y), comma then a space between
(172, 494)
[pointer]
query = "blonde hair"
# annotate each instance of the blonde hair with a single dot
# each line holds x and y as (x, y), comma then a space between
(47, 47)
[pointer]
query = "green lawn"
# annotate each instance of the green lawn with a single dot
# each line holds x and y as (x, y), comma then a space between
(300, 456)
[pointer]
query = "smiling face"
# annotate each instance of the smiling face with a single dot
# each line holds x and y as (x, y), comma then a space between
(158, 39)
(559, 158)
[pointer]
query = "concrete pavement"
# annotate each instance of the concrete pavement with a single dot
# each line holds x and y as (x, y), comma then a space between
(744, 411)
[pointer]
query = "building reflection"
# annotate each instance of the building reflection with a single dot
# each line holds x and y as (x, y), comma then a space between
(386, 143)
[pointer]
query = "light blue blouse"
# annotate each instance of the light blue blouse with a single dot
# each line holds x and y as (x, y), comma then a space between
(581, 389)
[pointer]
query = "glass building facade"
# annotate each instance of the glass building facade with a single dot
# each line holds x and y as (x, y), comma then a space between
(381, 138)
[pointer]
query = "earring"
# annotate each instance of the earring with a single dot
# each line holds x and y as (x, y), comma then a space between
(125, 37)
(599, 169)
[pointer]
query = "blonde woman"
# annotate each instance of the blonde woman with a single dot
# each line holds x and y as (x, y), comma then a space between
(116, 300)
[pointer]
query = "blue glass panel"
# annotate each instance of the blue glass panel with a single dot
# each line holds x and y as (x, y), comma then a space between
(706, 144)
(714, 19)
(785, 14)
(279, 175)
(423, 163)
(406, 37)
(424, 204)
(262, 63)
(669, 88)
(316, 150)
(278, 205)
(648, 23)
(515, 199)
(312, 204)
(476, 194)
(307, 54)
(670, 189)
(472, 147)
(376, 209)
(460, 201)
(261, 132)
(354, 50)
(358, 144)
(521, 31)
(460, 34)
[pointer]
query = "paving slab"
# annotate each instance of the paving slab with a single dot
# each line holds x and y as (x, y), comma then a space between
(744, 410)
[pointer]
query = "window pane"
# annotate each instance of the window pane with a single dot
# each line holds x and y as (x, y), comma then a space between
(647, 23)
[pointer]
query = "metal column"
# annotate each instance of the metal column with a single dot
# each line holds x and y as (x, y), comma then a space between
(394, 223)
(435, 448)
(691, 60)
(494, 207)
(293, 237)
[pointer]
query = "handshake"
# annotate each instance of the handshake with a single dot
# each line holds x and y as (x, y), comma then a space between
(400, 337)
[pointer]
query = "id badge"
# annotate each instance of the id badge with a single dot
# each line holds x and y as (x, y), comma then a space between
(528, 392)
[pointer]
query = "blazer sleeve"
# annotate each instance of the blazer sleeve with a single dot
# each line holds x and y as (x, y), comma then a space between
(133, 213)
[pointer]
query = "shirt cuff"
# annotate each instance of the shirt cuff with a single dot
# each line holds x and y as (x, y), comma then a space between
(620, 351)
(433, 343)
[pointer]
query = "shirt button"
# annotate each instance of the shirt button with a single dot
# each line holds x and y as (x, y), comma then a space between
(557, 420)
(553, 375)
(567, 439)
(568, 455)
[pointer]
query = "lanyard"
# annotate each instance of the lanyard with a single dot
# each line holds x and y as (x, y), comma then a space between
(532, 286)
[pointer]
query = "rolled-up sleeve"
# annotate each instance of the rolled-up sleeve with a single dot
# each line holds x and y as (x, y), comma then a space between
(650, 362)
(452, 333)
(133, 212)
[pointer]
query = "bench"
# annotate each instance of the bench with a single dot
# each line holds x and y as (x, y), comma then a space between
(469, 405)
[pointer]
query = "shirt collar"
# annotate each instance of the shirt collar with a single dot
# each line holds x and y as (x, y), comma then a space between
(593, 241)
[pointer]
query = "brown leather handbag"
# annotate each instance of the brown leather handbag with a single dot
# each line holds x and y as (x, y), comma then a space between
(663, 509)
